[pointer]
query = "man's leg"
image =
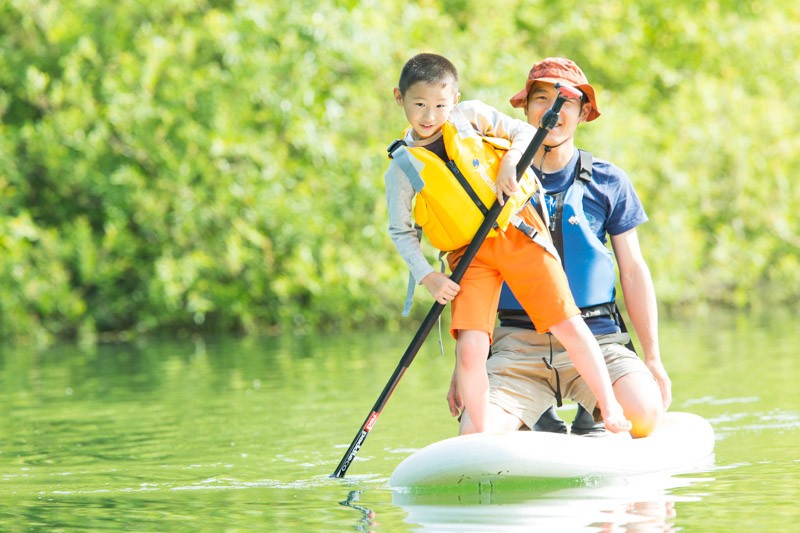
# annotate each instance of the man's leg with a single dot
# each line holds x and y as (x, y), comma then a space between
(634, 386)
(587, 358)
(640, 397)
(498, 419)
(520, 384)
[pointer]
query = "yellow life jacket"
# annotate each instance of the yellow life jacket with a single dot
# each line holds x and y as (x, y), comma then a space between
(453, 198)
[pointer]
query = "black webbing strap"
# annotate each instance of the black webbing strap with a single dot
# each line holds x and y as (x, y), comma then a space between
(517, 318)
(467, 187)
(621, 323)
(585, 166)
(550, 366)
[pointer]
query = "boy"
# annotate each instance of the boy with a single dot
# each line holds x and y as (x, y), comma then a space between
(428, 93)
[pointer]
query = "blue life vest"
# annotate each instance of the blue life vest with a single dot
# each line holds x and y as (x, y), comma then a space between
(588, 263)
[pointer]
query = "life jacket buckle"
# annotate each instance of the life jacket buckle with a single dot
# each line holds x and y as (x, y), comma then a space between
(394, 146)
(524, 227)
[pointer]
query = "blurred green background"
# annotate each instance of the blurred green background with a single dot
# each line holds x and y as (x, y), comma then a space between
(199, 165)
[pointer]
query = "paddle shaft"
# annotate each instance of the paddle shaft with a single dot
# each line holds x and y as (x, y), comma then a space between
(549, 121)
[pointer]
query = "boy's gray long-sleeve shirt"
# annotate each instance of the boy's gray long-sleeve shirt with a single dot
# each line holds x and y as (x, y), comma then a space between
(488, 122)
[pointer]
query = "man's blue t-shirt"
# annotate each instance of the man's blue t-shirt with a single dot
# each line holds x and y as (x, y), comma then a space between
(610, 201)
(610, 204)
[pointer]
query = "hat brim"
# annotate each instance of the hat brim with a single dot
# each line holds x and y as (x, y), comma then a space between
(521, 98)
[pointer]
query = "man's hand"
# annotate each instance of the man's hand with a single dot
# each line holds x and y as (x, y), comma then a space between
(664, 383)
(453, 397)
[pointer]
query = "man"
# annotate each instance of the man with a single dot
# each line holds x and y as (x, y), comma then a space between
(587, 199)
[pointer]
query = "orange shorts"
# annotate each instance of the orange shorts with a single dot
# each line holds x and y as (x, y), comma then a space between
(534, 275)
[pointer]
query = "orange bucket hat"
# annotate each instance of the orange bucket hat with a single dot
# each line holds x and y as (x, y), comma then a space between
(558, 70)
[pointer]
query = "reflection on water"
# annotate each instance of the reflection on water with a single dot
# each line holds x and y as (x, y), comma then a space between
(219, 434)
(352, 500)
(642, 503)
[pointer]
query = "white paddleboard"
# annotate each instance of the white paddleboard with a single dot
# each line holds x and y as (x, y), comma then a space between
(683, 441)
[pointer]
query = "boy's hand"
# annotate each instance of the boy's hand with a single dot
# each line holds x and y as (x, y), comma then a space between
(441, 287)
(506, 182)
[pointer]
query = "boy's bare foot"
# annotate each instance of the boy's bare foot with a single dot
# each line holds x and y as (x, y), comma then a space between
(617, 424)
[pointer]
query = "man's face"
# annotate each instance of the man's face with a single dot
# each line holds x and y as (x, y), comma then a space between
(541, 98)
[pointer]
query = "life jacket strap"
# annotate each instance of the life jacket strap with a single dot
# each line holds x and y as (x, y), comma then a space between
(606, 309)
(549, 365)
(403, 159)
(517, 318)
(542, 240)
(412, 283)
(585, 168)
(451, 165)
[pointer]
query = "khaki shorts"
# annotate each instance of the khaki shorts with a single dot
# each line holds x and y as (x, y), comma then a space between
(521, 383)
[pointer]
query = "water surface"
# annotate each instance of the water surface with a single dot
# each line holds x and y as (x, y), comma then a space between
(231, 434)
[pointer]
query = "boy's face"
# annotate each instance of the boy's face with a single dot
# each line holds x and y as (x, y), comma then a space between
(541, 98)
(427, 107)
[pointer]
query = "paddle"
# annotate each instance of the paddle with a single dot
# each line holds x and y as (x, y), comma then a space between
(549, 121)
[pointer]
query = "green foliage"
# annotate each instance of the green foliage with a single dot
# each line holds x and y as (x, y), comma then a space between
(209, 165)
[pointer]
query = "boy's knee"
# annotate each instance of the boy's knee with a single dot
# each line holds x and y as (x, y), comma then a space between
(472, 354)
(473, 341)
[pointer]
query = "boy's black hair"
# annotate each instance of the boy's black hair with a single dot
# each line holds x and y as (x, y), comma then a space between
(429, 68)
